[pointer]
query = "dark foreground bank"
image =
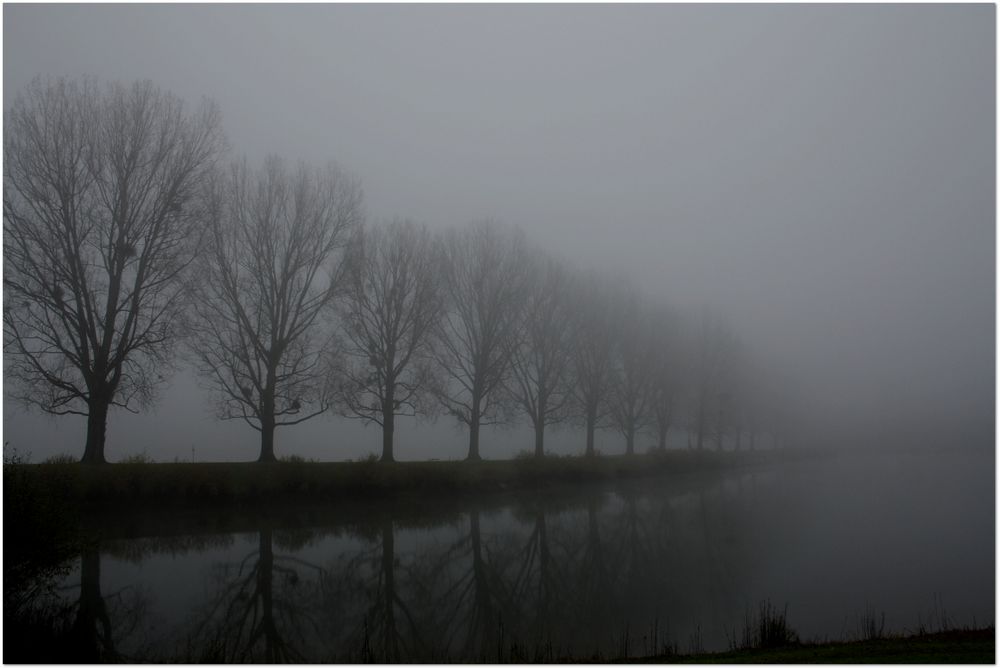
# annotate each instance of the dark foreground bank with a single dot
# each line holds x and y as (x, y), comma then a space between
(948, 647)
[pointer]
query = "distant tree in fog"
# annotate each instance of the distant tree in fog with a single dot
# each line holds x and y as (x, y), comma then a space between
(100, 220)
(716, 349)
(484, 284)
(666, 369)
(592, 352)
(631, 388)
(391, 305)
(273, 263)
(541, 359)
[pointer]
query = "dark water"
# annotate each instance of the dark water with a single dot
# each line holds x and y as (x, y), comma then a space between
(536, 576)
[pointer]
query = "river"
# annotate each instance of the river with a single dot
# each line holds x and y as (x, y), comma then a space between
(642, 567)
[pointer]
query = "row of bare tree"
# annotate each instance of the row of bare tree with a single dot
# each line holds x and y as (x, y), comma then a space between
(125, 234)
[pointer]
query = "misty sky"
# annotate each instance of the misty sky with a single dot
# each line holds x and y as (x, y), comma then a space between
(822, 174)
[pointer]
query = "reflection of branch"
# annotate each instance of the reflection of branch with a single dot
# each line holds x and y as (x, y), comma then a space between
(374, 633)
(248, 629)
(594, 589)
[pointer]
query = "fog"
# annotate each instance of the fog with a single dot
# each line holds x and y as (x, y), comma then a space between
(822, 175)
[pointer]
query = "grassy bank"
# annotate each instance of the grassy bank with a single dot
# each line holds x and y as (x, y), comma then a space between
(949, 647)
(228, 483)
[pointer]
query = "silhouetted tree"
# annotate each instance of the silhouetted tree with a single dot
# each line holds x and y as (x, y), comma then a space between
(666, 373)
(483, 267)
(593, 353)
(541, 359)
(716, 349)
(392, 303)
(100, 220)
(272, 265)
(631, 386)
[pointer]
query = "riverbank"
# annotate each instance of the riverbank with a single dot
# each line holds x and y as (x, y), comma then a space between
(181, 484)
(948, 647)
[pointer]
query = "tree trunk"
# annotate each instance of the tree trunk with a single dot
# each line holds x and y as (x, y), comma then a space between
(539, 439)
(722, 423)
(388, 428)
(97, 423)
(474, 432)
(267, 419)
(662, 442)
(630, 441)
(590, 435)
(267, 440)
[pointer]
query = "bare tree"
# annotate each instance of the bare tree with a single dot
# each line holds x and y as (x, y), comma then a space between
(273, 263)
(593, 350)
(541, 360)
(716, 351)
(666, 372)
(100, 220)
(631, 386)
(484, 288)
(392, 304)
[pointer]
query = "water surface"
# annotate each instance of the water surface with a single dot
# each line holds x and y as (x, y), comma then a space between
(569, 572)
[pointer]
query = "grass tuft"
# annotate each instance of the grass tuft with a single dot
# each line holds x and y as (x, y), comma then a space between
(766, 629)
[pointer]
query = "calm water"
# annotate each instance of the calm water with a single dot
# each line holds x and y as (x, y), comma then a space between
(546, 575)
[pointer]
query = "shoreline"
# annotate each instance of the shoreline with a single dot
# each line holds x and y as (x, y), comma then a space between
(182, 484)
(953, 646)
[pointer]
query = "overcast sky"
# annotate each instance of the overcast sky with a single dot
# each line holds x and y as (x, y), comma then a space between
(823, 174)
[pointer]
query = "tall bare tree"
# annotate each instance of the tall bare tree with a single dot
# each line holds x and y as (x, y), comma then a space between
(593, 351)
(273, 262)
(716, 347)
(100, 220)
(392, 303)
(484, 288)
(541, 360)
(631, 385)
(666, 368)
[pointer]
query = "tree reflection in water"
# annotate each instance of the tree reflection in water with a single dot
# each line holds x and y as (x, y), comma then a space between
(539, 578)
(263, 609)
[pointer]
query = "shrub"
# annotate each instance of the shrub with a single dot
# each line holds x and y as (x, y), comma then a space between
(137, 459)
